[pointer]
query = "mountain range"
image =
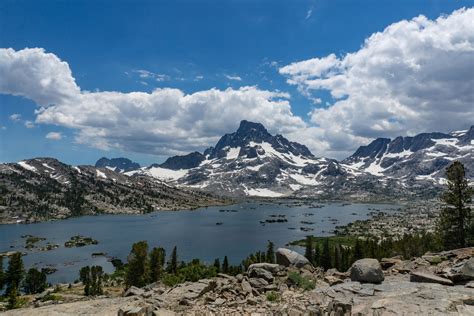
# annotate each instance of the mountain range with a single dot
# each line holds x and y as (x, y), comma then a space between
(252, 162)
(249, 162)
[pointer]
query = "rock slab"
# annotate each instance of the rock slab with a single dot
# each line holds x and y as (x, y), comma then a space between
(367, 271)
(287, 257)
(425, 277)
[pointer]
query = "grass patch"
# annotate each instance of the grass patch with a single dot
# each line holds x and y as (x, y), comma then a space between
(300, 281)
(52, 297)
(273, 296)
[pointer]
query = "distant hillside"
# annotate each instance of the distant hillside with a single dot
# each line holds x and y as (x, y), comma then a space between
(44, 188)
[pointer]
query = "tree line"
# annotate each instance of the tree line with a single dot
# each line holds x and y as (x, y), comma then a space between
(15, 279)
(455, 229)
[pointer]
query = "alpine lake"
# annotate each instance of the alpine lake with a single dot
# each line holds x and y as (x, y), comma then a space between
(206, 233)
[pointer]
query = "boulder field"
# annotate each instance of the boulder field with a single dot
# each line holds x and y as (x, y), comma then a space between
(434, 284)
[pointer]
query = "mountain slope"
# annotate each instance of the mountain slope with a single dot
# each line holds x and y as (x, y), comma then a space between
(252, 162)
(44, 188)
(423, 157)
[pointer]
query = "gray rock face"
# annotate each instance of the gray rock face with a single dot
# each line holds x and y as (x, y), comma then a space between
(191, 291)
(271, 267)
(135, 311)
(287, 257)
(467, 270)
(133, 291)
(246, 287)
(425, 277)
(258, 283)
(260, 273)
(117, 164)
(367, 271)
(188, 161)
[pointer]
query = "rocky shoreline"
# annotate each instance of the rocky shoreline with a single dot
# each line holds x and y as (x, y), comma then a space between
(413, 218)
(436, 283)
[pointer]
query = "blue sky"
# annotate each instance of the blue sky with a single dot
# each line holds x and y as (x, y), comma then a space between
(193, 46)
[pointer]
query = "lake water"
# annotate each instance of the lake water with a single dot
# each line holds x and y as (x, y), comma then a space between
(195, 233)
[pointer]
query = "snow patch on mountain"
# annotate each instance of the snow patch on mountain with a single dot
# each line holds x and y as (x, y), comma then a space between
(26, 166)
(233, 153)
(100, 174)
(262, 193)
(165, 174)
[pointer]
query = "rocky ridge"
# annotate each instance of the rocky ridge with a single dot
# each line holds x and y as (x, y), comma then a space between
(437, 283)
(45, 188)
(421, 158)
(117, 164)
(252, 162)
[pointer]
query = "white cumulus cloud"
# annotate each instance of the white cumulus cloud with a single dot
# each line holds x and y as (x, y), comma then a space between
(235, 78)
(15, 117)
(54, 136)
(414, 76)
(165, 121)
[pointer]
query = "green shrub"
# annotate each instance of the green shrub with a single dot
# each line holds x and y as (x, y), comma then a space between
(273, 296)
(301, 281)
(52, 297)
(172, 279)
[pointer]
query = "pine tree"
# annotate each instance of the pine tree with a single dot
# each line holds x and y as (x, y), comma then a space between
(309, 251)
(85, 277)
(12, 298)
(338, 257)
(157, 262)
(217, 265)
(91, 278)
(270, 256)
(455, 220)
(14, 273)
(326, 255)
(358, 250)
(172, 266)
(225, 265)
(2, 274)
(137, 272)
(35, 281)
(317, 255)
(96, 277)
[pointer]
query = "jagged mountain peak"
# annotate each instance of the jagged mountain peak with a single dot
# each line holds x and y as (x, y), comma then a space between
(468, 136)
(421, 157)
(117, 164)
(188, 161)
(247, 128)
(250, 139)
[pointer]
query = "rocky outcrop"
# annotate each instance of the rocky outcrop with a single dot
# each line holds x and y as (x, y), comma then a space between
(255, 292)
(367, 271)
(467, 269)
(44, 188)
(287, 257)
(429, 278)
(117, 164)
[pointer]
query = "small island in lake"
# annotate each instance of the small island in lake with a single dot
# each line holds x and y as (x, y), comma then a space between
(80, 241)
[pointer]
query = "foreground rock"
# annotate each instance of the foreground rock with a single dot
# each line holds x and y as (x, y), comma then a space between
(255, 292)
(287, 257)
(467, 270)
(429, 278)
(367, 270)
